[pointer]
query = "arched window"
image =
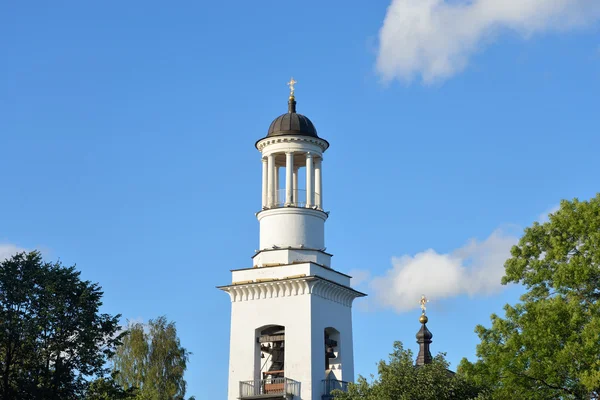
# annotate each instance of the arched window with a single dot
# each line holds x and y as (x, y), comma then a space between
(333, 353)
(271, 343)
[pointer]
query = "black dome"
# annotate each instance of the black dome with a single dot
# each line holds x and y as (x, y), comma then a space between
(424, 334)
(292, 123)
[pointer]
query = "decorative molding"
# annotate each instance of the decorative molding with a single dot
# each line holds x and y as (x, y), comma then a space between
(288, 139)
(315, 212)
(288, 287)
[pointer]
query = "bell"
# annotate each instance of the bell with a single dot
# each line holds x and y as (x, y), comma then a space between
(329, 353)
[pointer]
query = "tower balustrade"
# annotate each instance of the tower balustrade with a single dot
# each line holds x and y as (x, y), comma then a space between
(281, 199)
(279, 388)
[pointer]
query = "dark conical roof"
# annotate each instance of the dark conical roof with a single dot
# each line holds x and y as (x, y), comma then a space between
(424, 337)
(292, 123)
(424, 334)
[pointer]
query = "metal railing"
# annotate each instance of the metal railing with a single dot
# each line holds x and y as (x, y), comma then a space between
(329, 385)
(298, 199)
(268, 387)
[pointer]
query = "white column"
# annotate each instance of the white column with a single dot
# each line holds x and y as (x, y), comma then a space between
(295, 185)
(270, 179)
(265, 182)
(289, 167)
(318, 184)
(309, 180)
(276, 191)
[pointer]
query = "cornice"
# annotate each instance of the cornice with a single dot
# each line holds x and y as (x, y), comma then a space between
(292, 210)
(292, 248)
(311, 285)
(262, 143)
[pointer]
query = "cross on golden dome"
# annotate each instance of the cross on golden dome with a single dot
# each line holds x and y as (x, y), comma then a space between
(424, 300)
(291, 84)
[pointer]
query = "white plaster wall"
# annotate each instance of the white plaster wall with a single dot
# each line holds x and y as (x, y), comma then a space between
(285, 271)
(305, 318)
(290, 256)
(293, 313)
(329, 274)
(293, 227)
(325, 314)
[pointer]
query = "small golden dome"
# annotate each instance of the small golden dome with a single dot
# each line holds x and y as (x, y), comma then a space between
(423, 319)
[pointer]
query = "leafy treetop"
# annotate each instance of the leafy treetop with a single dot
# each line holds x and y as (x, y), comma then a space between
(548, 345)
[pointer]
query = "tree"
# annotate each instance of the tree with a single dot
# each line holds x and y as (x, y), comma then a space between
(400, 379)
(53, 338)
(548, 345)
(153, 360)
(106, 388)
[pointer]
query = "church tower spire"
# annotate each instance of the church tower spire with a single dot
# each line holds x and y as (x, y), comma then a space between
(424, 337)
(291, 312)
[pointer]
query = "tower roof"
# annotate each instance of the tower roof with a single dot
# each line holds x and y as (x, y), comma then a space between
(424, 337)
(292, 123)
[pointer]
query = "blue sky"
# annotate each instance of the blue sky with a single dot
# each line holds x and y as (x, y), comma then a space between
(127, 134)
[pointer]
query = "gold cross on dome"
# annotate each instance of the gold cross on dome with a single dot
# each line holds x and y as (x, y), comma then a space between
(424, 300)
(291, 84)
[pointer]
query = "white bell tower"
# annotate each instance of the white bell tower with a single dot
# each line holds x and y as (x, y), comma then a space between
(291, 313)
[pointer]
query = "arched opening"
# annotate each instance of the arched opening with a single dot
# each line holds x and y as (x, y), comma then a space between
(271, 345)
(333, 363)
(333, 355)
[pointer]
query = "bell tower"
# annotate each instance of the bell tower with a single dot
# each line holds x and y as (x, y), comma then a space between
(291, 313)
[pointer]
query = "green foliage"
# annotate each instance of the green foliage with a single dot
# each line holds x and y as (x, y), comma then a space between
(399, 379)
(548, 346)
(108, 389)
(153, 360)
(52, 336)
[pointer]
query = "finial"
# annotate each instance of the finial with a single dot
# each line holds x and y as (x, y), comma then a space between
(424, 300)
(292, 99)
(291, 84)
(423, 318)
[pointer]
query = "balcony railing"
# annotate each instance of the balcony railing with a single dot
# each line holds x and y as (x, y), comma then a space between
(329, 385)
(298, 199)
(268, 388)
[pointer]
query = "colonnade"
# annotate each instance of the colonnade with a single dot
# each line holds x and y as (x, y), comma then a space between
(313, 196)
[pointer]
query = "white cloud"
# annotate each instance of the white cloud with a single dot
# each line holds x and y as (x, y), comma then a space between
(8, 250)
(434, 39)
(474, 269)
